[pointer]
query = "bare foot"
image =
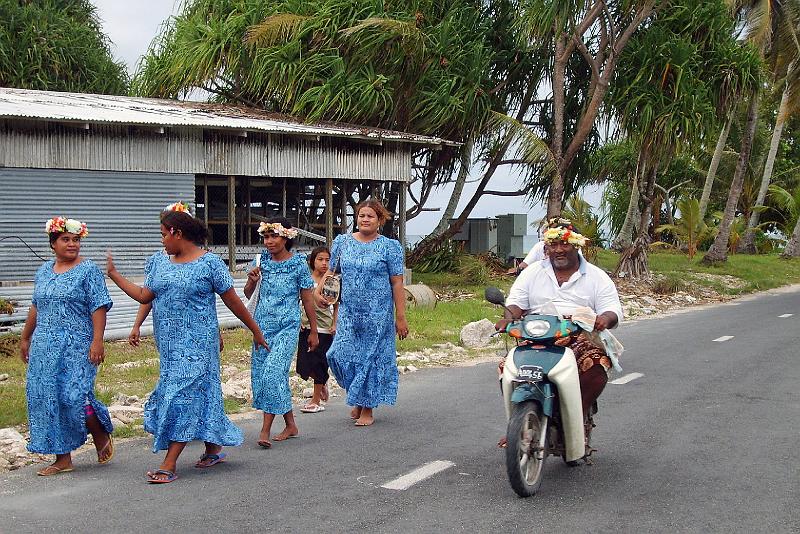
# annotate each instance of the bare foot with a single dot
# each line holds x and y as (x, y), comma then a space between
(355, 413)
(263, 440)
(288, 432)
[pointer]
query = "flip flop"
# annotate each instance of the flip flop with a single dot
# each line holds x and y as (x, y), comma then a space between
(171, 477)
(359, 423)
(312, 408)
(51, 470)
(290, 436)
(110, 447)
(264, 444)
(215, 459)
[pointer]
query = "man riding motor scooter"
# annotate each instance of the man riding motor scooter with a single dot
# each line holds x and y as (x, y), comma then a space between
(566, 281)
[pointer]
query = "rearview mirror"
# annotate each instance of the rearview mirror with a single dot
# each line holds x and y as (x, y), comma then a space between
(495, 296)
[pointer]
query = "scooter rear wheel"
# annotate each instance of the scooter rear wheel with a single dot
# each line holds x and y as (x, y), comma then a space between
(524, 455)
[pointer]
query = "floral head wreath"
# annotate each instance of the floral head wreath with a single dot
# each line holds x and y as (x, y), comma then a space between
(59, 225)
(562, 230)
(277, 229)
(180, 207)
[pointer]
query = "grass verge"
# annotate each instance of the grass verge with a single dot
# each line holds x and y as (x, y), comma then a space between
(134, 370)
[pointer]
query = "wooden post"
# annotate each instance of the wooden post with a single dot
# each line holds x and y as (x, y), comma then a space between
(329, 211)
(231, 223)
(343, 191)
(401, 217)
(246, 224)
(283, 199)
(205, 203)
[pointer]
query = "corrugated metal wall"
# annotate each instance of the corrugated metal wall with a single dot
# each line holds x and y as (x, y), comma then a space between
(121, 210)
(193, 151)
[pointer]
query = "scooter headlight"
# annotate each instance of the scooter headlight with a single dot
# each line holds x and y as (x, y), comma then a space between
(536, 328)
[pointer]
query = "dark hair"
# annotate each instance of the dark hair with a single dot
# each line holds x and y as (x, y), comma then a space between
(312, 257)
(283, 221)
(191, 228)
(376, 205)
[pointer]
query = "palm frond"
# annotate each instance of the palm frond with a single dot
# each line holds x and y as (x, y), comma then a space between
(531, 149)
(276, 29)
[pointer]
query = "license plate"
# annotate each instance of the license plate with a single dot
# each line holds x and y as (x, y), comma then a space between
(530, 373)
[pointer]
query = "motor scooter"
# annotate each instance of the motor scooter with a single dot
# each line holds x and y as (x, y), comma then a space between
(542, 397)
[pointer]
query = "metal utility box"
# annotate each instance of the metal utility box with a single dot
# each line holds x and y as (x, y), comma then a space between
(480, 235)
(511, 231)
(483, 236)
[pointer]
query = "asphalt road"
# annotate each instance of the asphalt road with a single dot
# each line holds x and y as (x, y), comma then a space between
(704, 441)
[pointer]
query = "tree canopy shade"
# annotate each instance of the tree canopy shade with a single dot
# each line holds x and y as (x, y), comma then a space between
(424, 66)
(57, 45)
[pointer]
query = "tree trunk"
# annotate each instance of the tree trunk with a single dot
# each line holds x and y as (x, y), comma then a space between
(748, 245)
(556, 193)
(712, 169)
(633, 262)
(792, 249)
(625, 235)
(458, 188)
(718, 253)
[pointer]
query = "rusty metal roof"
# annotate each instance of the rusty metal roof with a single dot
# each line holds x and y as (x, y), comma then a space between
(110, 109)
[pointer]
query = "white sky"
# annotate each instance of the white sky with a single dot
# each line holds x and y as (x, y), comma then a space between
(131, 26)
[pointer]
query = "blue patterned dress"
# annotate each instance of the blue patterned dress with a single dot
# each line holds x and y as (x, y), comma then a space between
(60, 378)
(187, 402)
(278, 315)
(363, 354)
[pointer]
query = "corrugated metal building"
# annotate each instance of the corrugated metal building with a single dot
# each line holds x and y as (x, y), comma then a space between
(115, 162)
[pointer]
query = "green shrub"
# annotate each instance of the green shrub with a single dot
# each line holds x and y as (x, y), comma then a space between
(445, 259)
(474, 270)
(669, 284)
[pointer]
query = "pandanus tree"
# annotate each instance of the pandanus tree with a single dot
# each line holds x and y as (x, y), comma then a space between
(430, 67)
(597, 32)
(669, 89)
(57, 45)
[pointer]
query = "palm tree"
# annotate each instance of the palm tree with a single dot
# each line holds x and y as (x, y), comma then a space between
(670, 96)
(782, 51)
(690, 229)
(762, 20)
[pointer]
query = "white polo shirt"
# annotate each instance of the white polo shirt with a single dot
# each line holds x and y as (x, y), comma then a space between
(589, 286)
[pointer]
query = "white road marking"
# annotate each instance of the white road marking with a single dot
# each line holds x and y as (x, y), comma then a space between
(626, 378)
(417, 475)
(785, 315)
(723, 338)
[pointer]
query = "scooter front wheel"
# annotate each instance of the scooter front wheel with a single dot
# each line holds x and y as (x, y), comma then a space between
(526, 450)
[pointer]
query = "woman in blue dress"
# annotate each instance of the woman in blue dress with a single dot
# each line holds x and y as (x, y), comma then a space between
(62, 343)
(182, 283)
(372, 310)
(286, 281)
